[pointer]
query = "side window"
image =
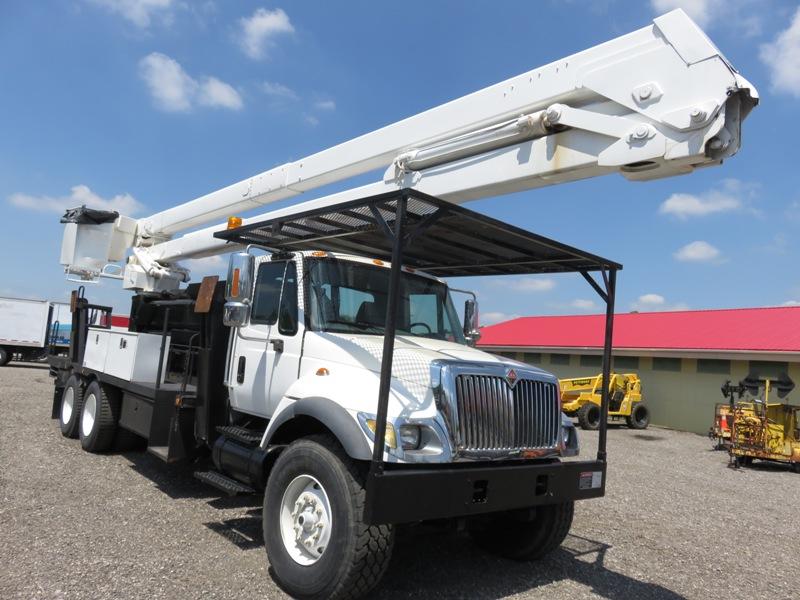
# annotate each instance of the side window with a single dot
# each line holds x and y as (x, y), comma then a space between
(287, 324)
(267, 293)
(423, 310)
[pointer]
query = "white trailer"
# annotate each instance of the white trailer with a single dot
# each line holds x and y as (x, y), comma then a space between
(333, 373)
(26, 328)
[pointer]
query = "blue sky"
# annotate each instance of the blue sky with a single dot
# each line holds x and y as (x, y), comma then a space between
(143, 104)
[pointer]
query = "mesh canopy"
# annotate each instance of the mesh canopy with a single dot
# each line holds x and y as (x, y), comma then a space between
(440, 238)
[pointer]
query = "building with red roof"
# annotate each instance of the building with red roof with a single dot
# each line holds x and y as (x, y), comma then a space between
(682, 357)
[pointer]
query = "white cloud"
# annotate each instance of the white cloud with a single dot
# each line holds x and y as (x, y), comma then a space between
(530, 284)
(732, 196)
(174, 90)
(782, 58)
(214, 92)
(655, 302)
(744, 16)
(325, 105)
(211, 265)
(791, 303)
(702, 11)
(79, 195)
(491, 318)
(258, 32)
(582, 304)
(311, 120)
(698, 251)
(278, 90)
(139, 12)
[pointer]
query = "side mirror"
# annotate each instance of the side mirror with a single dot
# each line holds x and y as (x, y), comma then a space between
(238, 289)
(471, 331)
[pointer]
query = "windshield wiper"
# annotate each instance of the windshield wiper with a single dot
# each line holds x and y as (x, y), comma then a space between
(358, 324)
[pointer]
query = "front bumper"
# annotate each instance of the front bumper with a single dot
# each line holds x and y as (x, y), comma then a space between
(408, 494)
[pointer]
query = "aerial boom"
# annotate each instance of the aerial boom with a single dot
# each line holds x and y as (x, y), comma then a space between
(657, 102)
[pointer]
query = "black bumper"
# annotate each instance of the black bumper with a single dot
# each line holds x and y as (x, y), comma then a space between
(404, 495)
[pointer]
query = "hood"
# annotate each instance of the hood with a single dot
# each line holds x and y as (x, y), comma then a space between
(412, 355)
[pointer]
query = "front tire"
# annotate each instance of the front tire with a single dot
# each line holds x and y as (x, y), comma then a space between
(511, 536)
(639, 417)
(71, 407)
(316, 539)
(5, 357)
(589, 416)
(99, 417)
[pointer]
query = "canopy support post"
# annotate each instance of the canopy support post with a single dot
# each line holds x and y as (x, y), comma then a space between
(376, 466)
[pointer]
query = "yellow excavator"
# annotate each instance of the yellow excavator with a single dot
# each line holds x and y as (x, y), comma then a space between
(580, 396)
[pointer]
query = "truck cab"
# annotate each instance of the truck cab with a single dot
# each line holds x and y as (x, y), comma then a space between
(309, 342)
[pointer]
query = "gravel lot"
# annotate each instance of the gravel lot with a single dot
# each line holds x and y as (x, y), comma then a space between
(75, 525)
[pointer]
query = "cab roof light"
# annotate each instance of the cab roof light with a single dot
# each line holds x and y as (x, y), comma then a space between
(234, 222)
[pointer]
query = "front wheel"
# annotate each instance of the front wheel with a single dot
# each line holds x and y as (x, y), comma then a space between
(5, 357)
(639, 417)
(514, 535)
(589, 416)
(316, 539)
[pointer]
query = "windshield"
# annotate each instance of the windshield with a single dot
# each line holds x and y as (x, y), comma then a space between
(350, 297)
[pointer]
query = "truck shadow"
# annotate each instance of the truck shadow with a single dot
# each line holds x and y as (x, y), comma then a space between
(419, 568)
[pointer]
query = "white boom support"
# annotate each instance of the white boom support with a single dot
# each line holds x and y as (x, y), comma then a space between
(658, 102)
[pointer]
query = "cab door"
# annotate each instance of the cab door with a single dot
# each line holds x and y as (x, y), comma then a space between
(251, 366)
(285, 344)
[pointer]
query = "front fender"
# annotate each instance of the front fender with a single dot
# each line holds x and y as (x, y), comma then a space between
(342, 424)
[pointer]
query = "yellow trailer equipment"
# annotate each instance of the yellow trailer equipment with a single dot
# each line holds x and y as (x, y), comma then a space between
(764, 430)
(580, 396)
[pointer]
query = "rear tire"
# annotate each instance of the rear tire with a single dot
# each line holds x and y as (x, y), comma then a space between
(315, 476)
(510, 536)
(5, 357)
(99, 417)
(589, 416)
(71, 407)
(639, 417)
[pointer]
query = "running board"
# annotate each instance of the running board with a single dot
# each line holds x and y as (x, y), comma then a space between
(223, 482)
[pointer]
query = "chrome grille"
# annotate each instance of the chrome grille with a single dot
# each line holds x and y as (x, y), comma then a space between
(494, 416)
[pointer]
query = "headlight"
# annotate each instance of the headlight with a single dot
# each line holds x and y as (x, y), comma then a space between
(410, 436)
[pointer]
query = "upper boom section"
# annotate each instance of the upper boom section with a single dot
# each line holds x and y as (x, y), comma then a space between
(657, 102)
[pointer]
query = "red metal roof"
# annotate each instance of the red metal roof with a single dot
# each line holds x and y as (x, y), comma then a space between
(745, 329)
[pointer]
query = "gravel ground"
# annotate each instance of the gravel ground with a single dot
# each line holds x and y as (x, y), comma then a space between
(676, 523)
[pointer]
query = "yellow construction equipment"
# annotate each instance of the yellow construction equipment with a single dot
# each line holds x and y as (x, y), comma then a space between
(766, 430)
(580, 396)
(720, 431)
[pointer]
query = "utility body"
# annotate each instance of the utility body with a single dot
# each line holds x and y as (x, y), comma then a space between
(331, 369)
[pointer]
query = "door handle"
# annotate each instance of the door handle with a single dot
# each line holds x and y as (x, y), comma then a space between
(277, 345)
(240, 370)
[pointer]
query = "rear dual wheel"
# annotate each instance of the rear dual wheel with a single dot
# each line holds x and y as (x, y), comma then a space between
(71, 407)
(98, 422)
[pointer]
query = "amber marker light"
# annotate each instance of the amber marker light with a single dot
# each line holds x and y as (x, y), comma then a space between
(319, 253)
(322, 371)
(377, 261)
(235, 283)
(234, 222)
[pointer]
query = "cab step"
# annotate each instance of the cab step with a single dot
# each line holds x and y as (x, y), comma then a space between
(248, 437)
(223, 482)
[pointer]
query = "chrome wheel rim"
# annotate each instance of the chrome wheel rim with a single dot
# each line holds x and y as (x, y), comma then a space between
(67, 405)
(88, 415)
(305, 520)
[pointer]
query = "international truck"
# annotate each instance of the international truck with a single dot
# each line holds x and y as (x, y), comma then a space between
(331, 369)
(28, 327)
